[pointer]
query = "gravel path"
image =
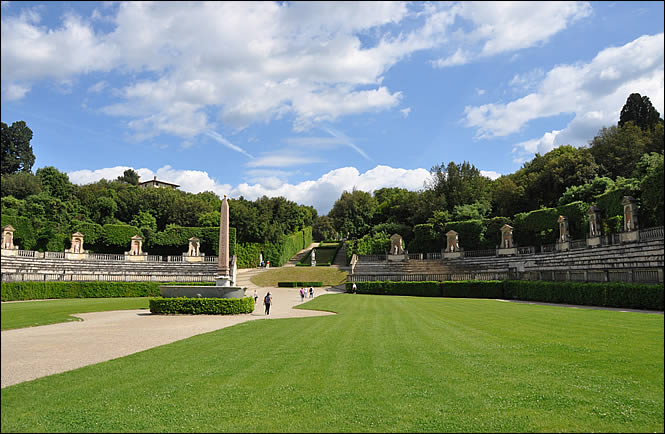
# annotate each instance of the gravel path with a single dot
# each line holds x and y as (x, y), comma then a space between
(36, 352)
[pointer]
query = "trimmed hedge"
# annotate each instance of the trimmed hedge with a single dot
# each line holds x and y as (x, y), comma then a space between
(298, 284)
(610, 294)
(279, 253)
(25, 235)
(12, 291)
(201, 306)
(44, 290)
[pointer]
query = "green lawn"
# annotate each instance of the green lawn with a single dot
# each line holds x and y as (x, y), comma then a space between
(329, 276)
(36, 313)
(383, 363)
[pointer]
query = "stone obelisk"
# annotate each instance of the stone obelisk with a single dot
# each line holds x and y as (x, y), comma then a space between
(223, 278)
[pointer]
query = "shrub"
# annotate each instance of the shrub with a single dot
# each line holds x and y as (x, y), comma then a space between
(201, 306)
(43, 290)
(118, 237)
(25, 235)
(470, 232)
(536, 228)
(610, 294)
(298, 284)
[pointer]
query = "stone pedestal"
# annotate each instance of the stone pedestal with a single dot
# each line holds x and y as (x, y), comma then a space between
(507, 252)
(452, 255)
(593, 242)
(10, 252)
(193, 258)
(75, 256)
(396, 258)
(136, 258)
(630, 237)
(224, 281)
(563, 246)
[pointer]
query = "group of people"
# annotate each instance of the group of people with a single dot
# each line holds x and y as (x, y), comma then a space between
(267, 300)
(303, 293)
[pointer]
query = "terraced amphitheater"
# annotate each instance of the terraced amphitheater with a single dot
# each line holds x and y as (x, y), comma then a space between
(629, 262)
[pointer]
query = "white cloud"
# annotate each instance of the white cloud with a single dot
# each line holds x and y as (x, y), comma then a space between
(15, 91)
(504, 26)
(460, 57)
(281, 160)
(98, 87)
(405, 112)
(490, 174)
(320, 193)
(587, 90)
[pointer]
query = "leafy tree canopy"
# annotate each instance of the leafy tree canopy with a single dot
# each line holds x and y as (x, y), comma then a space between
(16, 152)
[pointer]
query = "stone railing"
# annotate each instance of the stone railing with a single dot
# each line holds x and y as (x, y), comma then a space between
(651, 234)
(173, 258)
(153, 258)
(104, 257)
(476, 253)
(530, 250)
(210, 258)
(373, 258)
(433, 255)
(28, 254)
(578, 244)
(54, 255)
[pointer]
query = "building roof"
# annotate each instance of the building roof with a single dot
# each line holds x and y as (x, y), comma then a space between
(156, 180)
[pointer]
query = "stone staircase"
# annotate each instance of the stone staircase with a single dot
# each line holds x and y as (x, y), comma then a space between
(25, 268)
(301, 254)
(629, 262)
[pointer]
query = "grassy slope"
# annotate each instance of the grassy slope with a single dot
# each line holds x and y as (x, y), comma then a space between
(398, 364)
(329, 276)
(36, 313)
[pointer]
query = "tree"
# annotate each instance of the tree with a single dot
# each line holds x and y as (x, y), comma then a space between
(16, 150)
(352, 213)
(323, 229)
(20, 185)
(617, 149)
(459, 184)
(55, 182)
(546, 177)
(639, 110)
(130, 177)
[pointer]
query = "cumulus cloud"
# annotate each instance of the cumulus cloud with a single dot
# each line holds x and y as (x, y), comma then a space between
(313, 61)
(320, 193)
(501, 26)
(594, 92)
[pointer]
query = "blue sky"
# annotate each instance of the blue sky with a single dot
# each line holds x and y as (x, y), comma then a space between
(306, 100)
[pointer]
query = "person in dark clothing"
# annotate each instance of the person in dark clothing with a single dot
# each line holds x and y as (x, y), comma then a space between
(267, 301)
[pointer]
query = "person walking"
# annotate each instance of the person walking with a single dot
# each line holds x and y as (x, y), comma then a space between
(302, 294)
(311, 292)
(256, 297)
(354, 288)
(267, 301)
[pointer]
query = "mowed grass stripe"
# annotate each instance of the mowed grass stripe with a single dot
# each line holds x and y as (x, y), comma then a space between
(382, 363)
(36, 313)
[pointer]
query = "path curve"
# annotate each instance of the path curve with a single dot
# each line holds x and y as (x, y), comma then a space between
(35, 352)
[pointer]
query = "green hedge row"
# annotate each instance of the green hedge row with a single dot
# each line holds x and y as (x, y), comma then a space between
(201, 306)
(279, 253)
(298, 284)
(12, 291)
(610, 294)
